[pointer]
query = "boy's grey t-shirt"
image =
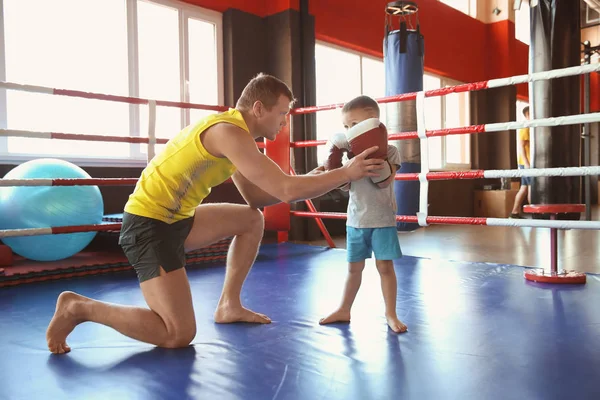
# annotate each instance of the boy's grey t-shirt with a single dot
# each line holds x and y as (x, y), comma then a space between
(370, 206)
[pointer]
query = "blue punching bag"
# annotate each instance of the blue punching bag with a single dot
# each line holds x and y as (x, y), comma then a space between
(403, 58)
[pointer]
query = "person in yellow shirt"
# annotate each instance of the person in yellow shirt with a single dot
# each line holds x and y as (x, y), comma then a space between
(164, 218)
(524, 161)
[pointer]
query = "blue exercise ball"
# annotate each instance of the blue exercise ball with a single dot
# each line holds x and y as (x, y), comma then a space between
(23, 207)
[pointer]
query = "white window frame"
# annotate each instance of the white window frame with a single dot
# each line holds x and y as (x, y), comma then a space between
(443, 82)
(3, 99)
(523, 12)
(446, 165)
(361, 57)
(587, 21)
(471, 8)
(137, 158)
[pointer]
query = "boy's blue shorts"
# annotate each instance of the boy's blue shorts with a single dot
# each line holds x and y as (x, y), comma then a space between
(362, 242)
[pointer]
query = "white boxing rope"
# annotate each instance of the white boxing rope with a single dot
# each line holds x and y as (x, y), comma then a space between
(29, 134)
(537, 223)
(25, 232)
(424, 146)
(543, 75)
(553, 121)
(536, 172)
(26, 88)
(26, 182)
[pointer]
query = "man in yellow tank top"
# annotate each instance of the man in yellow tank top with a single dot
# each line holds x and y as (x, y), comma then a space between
(524, 161)
(165, 217)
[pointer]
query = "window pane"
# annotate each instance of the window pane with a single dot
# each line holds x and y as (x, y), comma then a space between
(461, 5)
(520, 106)
(522, 23)
(457, 115)
(433, 120)
(520, 117)
(74, 52)
(203, 82)
(373, 79)
(338, 80)
(159, 72)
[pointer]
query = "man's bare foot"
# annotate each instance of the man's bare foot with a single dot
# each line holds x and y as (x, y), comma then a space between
(63, 322)
(336, 316)
(226, 315)
(396, 325)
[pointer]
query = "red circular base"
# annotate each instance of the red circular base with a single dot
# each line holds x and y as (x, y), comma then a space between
(539, 275)
(553, 208)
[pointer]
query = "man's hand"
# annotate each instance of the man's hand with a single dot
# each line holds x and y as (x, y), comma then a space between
(319, 170)
(359, 166)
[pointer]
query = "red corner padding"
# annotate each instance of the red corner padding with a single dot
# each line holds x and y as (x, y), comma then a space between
(6, 256)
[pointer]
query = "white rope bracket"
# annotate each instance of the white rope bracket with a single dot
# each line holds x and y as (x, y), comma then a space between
(424, 147)
(151, 129)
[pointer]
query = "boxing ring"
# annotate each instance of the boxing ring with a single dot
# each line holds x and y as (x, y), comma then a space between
(476, 330)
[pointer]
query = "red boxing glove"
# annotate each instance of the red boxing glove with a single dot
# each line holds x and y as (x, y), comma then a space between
(369, 133)
(337, 145)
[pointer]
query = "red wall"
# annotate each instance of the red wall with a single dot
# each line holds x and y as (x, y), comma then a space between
(521, 60)
(595, 92)
(456, 46)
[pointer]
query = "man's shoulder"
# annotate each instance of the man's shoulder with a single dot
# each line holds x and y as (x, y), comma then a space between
(226, 131)
(221, 139)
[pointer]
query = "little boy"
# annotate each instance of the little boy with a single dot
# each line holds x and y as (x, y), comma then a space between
(371, 223)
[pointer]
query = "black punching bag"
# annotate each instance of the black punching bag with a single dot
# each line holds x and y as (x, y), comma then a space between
(555, 43)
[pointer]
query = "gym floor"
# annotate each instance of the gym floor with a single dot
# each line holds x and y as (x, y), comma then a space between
(476, 331)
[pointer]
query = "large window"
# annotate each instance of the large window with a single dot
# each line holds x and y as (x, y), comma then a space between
(157, 49)
(366, 75)
(450, 111)
(468, 7)
(335, 84)
(522, 23)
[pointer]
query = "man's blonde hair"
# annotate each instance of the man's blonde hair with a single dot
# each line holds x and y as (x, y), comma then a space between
(264, 88)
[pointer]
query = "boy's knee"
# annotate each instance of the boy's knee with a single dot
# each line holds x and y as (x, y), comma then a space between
(356, 267)
(385, 267)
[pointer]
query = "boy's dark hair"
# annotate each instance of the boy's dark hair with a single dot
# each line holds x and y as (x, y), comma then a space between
(525, 111)
(361, 102)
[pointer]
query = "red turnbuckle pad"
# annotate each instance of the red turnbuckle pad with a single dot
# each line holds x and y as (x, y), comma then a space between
(6, 256)
(540, 275)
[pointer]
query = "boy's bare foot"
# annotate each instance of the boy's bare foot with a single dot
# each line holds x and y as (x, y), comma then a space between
(336, 316)
(63, 322)
(226, 315)
(395, 324)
